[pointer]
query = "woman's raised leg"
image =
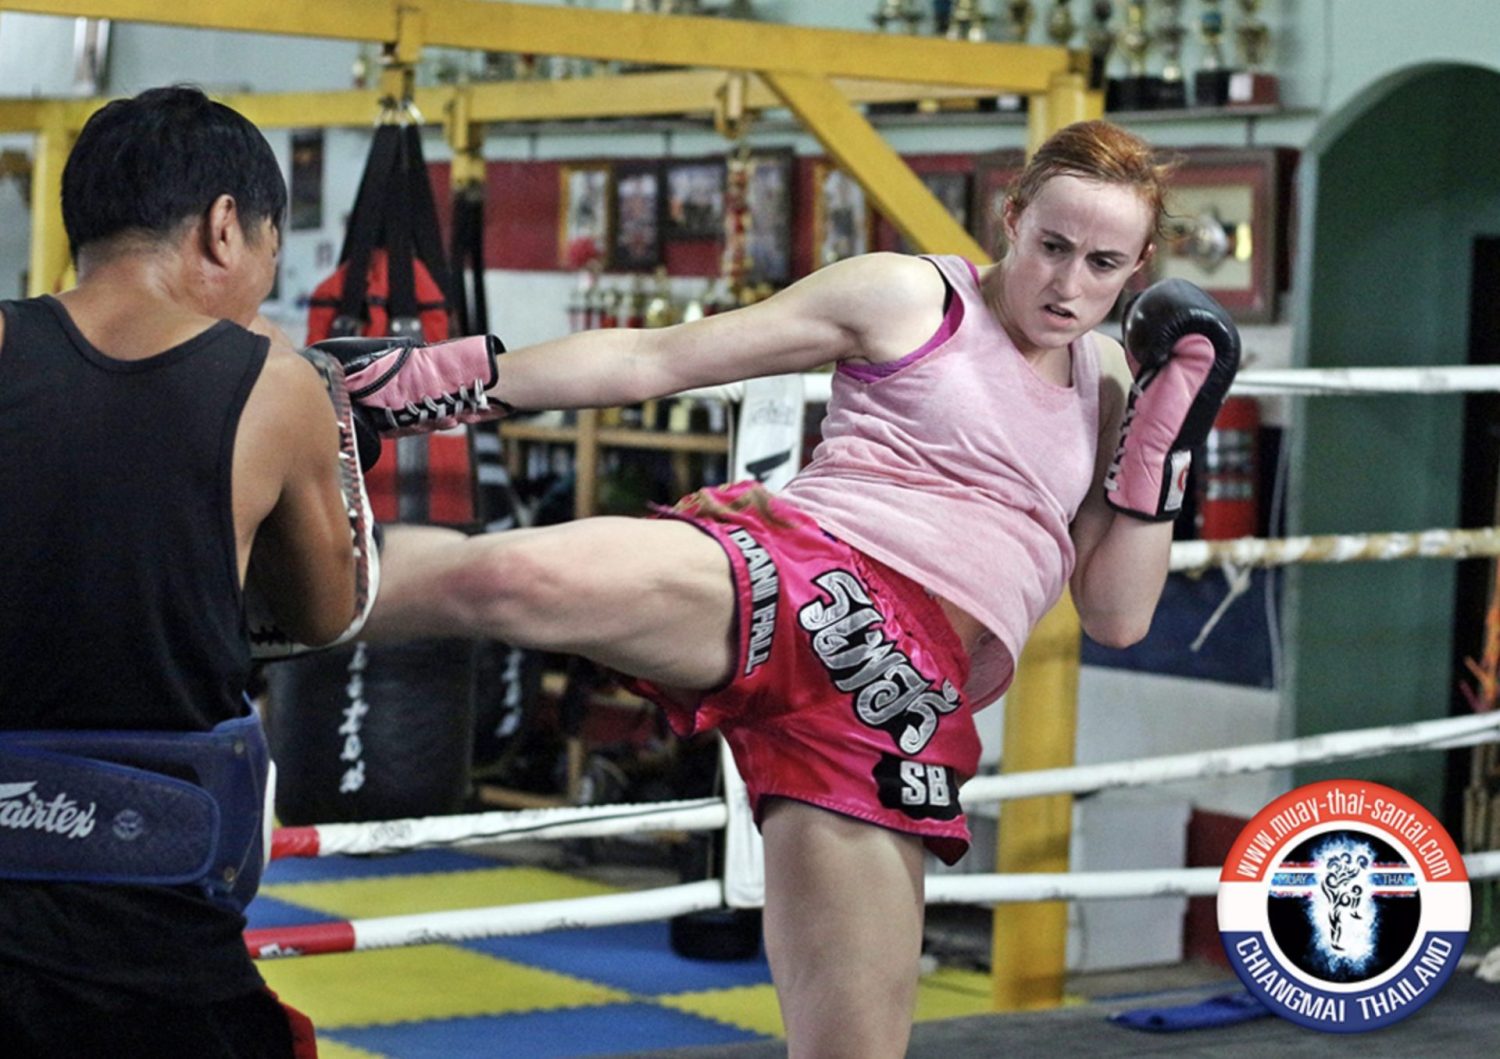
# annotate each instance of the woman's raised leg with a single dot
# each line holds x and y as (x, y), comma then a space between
(649, 597)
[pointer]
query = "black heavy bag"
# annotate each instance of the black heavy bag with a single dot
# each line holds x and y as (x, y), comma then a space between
(392, 278)
(372, 733)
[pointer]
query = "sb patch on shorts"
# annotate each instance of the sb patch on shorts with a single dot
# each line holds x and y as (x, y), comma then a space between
(921, 790)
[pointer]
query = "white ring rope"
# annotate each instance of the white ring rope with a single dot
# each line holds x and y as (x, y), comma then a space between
(1311, 382)
(1190, 556)
(1332, 746)
(467, 829)
(1345, 382)
(1112, 885)
(651, 905)
(467, 924)
(707, 814)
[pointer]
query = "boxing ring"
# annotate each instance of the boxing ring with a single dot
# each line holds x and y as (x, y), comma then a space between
(742, 883)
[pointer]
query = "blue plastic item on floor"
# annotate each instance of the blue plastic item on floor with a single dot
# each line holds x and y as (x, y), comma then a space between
(1223, 1010)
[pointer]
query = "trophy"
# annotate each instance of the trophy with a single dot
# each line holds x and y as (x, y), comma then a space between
(892, 13)
(1252, 86)
(892, 16)
(967, 21)
(1137, 89)
(1101, 40)
(1018, 16)
(1060, 24)
(1211, 81)
(1171, 91)
(942, 11)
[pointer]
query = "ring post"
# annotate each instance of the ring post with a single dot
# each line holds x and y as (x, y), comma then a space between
(1029, 953)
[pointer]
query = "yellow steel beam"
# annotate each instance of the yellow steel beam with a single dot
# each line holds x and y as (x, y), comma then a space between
(466, 137)
(374, 20)
(49, 241)
(1066, 100)
(672, 40)
(643, 95)
(292, 110)
(22, 115)
(31, 115)
(859, 150)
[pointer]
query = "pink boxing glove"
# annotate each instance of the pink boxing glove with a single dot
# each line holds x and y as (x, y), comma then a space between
(1184, 351)
(402, 387)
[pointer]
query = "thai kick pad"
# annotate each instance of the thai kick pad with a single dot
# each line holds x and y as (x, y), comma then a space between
(268, 640)
(768, 431)
(157, 808)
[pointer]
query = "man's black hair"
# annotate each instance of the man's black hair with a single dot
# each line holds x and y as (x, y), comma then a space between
(146, 164)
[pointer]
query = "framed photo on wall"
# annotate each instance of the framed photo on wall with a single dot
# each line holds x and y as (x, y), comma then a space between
(993, 173)
(1227, 226)
(768, 194)
(842, 222)
(584, 215)
(695, 199)
(637, 229)
(305, 206)
(953, 190)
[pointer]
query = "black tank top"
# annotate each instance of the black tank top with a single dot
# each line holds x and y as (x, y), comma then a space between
(119, 589)
(120, 608)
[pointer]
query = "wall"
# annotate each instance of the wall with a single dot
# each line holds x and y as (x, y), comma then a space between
(36, 55)
(1389, 263)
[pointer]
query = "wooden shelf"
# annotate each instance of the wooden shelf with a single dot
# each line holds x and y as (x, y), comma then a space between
(661, 441)
(537, 432)
(618, 438)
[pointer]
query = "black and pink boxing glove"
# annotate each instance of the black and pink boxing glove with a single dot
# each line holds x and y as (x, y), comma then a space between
(1183, 350)
(400, 386)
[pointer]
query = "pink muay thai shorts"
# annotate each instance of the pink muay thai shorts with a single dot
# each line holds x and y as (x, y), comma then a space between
(847, 692)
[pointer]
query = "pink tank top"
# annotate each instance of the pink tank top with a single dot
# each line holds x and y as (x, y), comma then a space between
(962, 468)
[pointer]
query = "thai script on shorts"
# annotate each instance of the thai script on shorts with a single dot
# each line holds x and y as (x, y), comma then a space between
(889, 692)
(765, 588)
(21, 809)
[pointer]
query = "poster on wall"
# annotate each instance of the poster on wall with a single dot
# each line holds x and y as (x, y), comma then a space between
(768, 195)
(993, 174)
(842, 221)
(695, 199)
(305, 209)
(637, 237)
(584, 215)
(952, 191)
(1227, 227)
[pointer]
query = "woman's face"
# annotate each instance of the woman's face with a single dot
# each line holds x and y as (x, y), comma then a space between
(1070, 253)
